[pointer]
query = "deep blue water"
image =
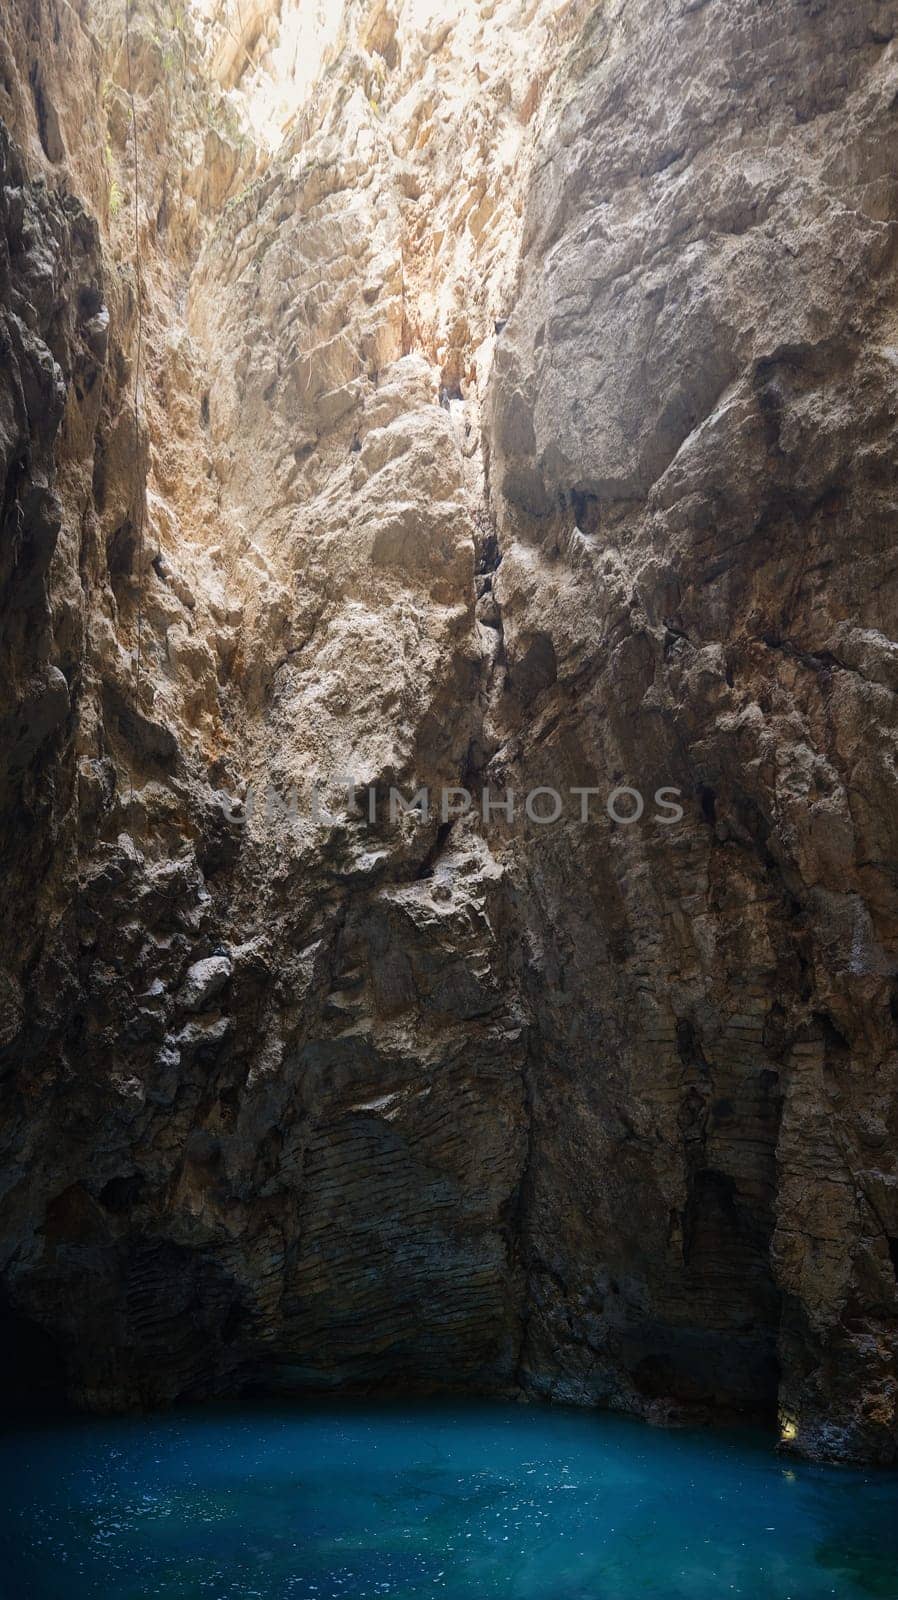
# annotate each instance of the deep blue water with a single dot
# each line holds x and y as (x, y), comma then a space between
(470, 1502)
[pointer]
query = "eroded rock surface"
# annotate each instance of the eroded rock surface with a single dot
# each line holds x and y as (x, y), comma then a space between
(692, 431)
(524, 418)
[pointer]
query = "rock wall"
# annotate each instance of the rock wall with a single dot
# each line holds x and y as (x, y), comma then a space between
(692, 444)
(523, 418)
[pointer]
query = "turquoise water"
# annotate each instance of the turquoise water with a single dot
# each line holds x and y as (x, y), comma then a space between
(469, 1502)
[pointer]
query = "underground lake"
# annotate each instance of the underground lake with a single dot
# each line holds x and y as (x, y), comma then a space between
(470, 1501)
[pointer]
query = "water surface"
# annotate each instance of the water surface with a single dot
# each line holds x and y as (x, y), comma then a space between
(468, 1502)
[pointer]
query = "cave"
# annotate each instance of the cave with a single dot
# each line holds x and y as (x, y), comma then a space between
(449, 644)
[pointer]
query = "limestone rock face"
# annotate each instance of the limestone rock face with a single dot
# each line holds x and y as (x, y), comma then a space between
(692, 452)
(519, 416)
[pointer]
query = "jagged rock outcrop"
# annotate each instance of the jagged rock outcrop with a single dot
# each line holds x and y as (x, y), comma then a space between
(524, 419)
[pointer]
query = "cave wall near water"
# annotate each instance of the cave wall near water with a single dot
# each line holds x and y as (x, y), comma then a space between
(526, 418)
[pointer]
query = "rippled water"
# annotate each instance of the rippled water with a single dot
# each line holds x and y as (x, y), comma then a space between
(469, 1502)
